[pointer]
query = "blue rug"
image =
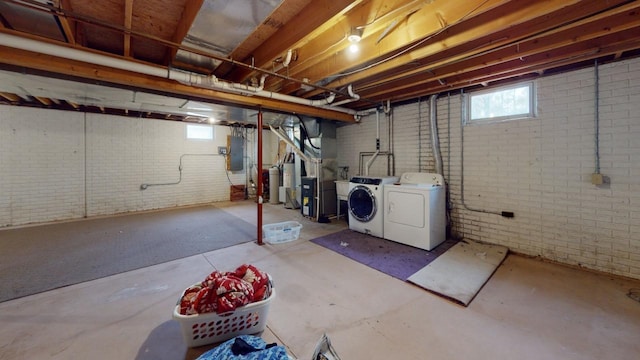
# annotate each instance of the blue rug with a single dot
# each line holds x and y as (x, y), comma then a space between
(392, 258)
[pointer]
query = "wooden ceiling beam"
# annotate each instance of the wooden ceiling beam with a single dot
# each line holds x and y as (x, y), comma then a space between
(73, 105)
(577, 53)
(68, 26)
(128, 18)
(11, 97)
(189, 14)
(43, 100)
(524, 73)
(317, 17)
(287, 11)
(514, 69)
(107, 75)
(562, 38)
(328, 54)
(478, 35)
(617, 20)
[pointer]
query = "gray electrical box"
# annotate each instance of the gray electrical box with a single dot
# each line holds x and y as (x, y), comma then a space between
(236, 152)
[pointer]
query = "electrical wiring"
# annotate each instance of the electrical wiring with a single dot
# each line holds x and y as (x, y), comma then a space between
(226, 171)
(146, 185)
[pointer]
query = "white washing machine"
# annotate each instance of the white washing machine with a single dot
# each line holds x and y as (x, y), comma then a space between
(366, 200)
(415, 212)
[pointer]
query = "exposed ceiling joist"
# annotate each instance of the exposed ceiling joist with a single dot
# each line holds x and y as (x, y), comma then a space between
(128, 18)
(126, 78)
(10, 97)
(182, 28)
(409, 48)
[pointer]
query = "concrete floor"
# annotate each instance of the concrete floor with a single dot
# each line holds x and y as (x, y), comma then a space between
(528, 310)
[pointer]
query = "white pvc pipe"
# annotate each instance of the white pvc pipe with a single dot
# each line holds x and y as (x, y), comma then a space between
(287, 59)
(180, 76)
(354, 97)
(375, 154)
(435, 140)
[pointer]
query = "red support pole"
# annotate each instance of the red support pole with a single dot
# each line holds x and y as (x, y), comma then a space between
(259, 167)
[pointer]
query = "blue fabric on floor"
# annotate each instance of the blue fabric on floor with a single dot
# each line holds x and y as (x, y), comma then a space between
(223, 351)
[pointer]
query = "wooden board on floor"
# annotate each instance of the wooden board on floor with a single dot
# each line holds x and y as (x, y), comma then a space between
(460, 273)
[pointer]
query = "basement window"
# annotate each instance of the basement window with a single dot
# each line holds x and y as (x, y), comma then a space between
(502, 103)
(199, 132)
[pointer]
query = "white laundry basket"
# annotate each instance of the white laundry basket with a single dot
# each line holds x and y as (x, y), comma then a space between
(281, 232)
(210, 328)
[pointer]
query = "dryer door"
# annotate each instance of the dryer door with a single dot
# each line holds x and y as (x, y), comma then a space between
(362, 203)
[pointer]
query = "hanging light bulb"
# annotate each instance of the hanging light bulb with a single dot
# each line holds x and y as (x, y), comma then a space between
(354, 38)
(355, 35)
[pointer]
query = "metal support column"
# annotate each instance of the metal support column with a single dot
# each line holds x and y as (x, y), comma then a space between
(259, 192)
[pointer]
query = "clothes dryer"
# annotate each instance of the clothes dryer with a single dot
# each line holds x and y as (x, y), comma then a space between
(366, 200)
(415, 212)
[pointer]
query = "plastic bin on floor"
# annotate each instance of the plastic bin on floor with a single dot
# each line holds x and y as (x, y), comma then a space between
(281, 232)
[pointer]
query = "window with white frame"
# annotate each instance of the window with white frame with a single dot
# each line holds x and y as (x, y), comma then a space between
(199, 132)
(502, 103)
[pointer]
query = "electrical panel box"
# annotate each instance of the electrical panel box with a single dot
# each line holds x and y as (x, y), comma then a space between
(235, 153)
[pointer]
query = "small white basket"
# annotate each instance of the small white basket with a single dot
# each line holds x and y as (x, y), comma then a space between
(210, 328)
(281, 232)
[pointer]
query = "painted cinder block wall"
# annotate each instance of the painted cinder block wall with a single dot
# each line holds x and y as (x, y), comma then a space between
(61, 165)
(539, 169)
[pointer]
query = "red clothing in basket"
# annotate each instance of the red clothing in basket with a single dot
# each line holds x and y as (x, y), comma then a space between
(222, 292)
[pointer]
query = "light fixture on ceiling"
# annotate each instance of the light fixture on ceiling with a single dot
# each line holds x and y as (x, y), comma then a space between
(355, 35)
(354, 38)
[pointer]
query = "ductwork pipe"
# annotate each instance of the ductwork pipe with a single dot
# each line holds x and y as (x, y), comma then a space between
(309, 160)
(435, 139)
(180, 76)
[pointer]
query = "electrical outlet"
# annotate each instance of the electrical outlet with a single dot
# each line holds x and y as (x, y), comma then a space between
(222, 150)
(597, 179)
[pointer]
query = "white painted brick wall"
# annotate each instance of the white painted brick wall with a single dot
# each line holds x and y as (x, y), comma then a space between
(540, 169)
(41, 165)
(114, 164)
(48, 173)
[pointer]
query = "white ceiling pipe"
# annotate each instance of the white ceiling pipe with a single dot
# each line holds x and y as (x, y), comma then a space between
(326, 101)
(251, 88)
(181, 76)
(213, 82)
(354, 97)
(287, 59)
(80, 55)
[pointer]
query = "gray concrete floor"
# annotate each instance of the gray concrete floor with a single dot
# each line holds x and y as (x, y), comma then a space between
(528, 310)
